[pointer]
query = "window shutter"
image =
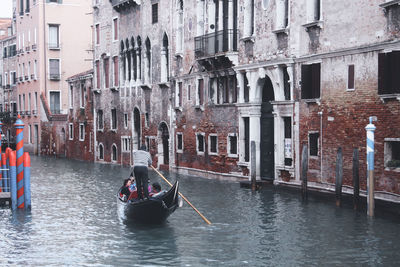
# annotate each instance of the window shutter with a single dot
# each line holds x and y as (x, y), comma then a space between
(305, 81)
(316, 80)
(350, 79)
(395, 70)
(381, 73)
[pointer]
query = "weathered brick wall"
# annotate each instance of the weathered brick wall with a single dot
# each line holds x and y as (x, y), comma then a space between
(344, 117)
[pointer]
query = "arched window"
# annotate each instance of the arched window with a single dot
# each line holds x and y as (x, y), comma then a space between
(101, 152)
(179, 26)
(133, 55)
(147, 62)
(114, 153)
(139, 58)
(164, 59)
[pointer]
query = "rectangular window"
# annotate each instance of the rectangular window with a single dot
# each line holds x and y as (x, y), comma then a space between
(97, 74)
(388, 76)
(71, 131)
(115, 28)
(180, 94)
(35, 70)
(213, 141)
(232, 145)
(126, 144)
(200, 143)
(54, 65)
(154, 13)
(179, 142)
(126, 120)
(113, 119)
(288, 141)
(30, 134)
(392, 152)
(71, 96)
(13, 77)
(97, 34)
(310, 81)
(116, 66)
(29, 104)
(350, 78)
(200, 92)
(81, 132)
(100, 120)
(313, 143)
(54, 42)
(55, 102)
(106, 73)
(246, 122)
(35, 105)
(82, 100)
(188, 92)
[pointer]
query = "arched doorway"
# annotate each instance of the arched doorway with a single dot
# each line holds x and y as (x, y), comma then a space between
(163, 144)
(136, 128)
(267, 157)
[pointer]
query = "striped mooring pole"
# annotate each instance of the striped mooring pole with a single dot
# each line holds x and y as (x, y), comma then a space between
(13, 180)
(4, 172)
(19, 125)
(1, 176)
(27, 180)
(370, 167)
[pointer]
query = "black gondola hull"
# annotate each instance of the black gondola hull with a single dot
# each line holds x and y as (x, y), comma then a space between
(152, 211)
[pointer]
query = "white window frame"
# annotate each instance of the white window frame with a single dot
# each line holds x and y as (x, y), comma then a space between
(111, 120)
(58, 37)
(197, 143)
(125, 144)
(48, 68)
(113, 30)
(71, 96)
(81, 132)
(209, 144)
(71, 131)
(229, 145)
(354, 78)
(116, 152)
(177, 149)
(388, 150)
(102, 120)
(100, 156)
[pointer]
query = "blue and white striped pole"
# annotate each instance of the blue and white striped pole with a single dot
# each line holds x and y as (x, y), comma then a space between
(370, 167)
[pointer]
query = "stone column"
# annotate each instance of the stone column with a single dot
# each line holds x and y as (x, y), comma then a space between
(255, 121)
(240, 81)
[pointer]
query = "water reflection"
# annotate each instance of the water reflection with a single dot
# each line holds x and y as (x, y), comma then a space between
(74, 222)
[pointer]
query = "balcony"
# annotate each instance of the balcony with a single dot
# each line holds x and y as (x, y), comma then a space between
(119, 5)
(27, 49)
(26, 77)
(34, 111)
(55, 77)
(34, 47)
(219, 47)
(28, 113)
(32, 76)
(21, 79)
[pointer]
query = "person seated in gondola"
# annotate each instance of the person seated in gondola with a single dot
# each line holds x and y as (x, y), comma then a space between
(155, 189)
(133, 184)
(124, 192)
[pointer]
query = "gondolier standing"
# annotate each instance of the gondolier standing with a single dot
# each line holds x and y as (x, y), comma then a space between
(141, 160)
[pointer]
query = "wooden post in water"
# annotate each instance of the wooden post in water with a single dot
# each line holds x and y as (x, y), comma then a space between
(356, 180)
(253, 166)
(339, 177)
(370, 166)
(304, 169)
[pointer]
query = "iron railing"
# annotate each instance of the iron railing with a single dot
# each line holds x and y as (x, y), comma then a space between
(216, 42)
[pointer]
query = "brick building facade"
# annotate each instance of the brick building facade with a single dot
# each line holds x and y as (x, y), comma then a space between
(80, 135)
(199, 81)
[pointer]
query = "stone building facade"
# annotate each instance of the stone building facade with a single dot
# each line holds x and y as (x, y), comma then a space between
(79, 141)
(201, 80)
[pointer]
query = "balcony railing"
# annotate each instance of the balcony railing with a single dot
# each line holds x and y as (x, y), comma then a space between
(55, 77)
(121, 4)
(216, 42)
(34, 47)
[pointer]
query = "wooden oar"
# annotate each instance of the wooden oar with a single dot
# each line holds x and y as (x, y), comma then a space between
(190, 204)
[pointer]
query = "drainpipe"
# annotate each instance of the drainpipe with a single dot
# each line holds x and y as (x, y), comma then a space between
(44, 48)
(320, 115)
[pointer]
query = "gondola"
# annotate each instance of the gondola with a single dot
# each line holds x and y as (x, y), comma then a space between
(154, 210)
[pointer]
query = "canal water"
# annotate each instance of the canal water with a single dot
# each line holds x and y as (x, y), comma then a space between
(74, 222)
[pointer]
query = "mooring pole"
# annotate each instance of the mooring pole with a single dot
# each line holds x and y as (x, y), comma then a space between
(1, 176)
(253, 166)
(339, 177)
(304, 169)
(19, 125)
(356, 180)
(370, 166)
